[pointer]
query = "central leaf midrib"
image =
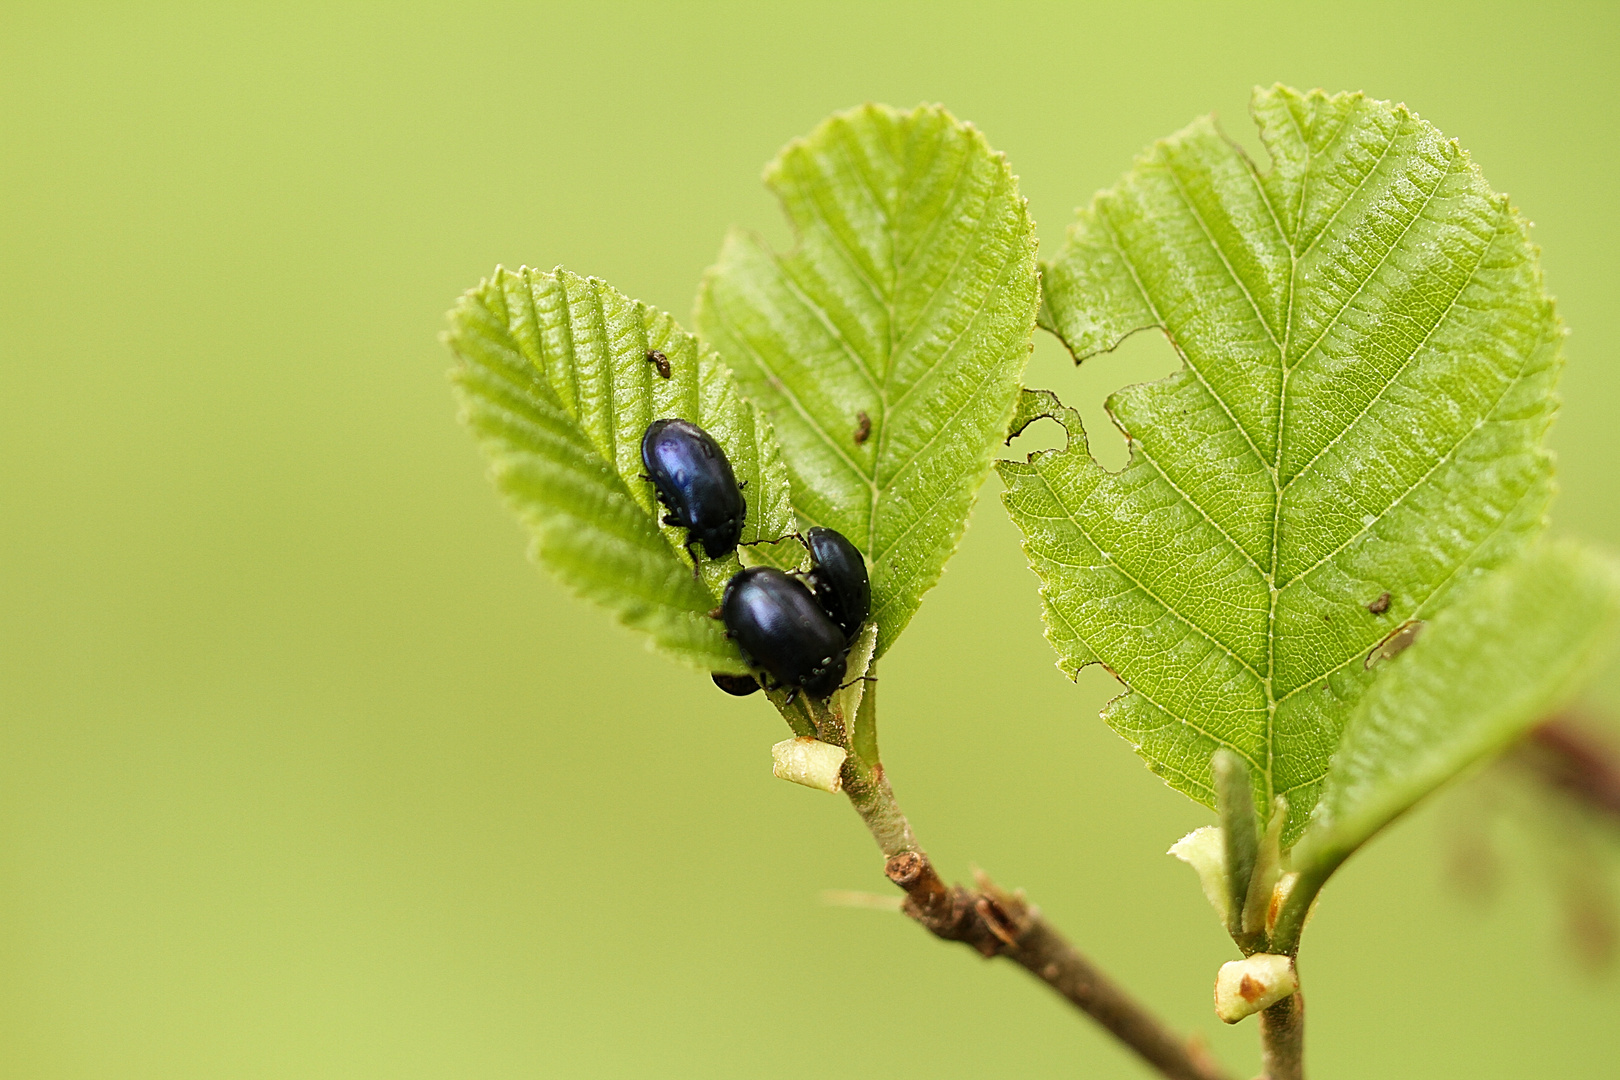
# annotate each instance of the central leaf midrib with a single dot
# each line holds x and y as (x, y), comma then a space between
(882, 476)
(1164, 326)
(1273, 701)
(989, 373)
(1270, 770)
(780, 386)
(880, 292)
(1273, 466)
(967, 399)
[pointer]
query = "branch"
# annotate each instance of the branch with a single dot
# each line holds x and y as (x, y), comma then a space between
(997, 923)
(990, 920)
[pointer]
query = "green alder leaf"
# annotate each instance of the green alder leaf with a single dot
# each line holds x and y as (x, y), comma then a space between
(1483, 673)
(1369, 363)
(554, 381)
(887, 347)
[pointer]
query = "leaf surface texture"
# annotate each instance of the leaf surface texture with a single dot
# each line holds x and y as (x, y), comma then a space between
(888, 345)
(554, 380)
(1369, 363)
(1489, 668)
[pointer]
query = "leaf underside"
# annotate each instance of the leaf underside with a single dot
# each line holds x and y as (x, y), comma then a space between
(554, 381)
(1490, 667)
(1369, 364)
(909, 301)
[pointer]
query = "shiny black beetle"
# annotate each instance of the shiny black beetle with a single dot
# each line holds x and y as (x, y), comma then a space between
(696, 485)
(838, 577)
(783, 631)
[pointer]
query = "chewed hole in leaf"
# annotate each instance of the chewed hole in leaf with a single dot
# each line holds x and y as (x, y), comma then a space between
(1143, 357)
(1368, 377)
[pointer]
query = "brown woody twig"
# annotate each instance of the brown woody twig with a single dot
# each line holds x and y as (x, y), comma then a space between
(995, 922)
(989, 919)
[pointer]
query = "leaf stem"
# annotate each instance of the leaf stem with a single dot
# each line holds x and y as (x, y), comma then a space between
(869, 792)
(1296, 906)
(995, 922)
(1282, 1040)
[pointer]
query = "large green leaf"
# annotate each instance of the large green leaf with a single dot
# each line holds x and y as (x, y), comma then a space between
(909, 301)
(554, 380)
(1487, 669)
(1369, 362)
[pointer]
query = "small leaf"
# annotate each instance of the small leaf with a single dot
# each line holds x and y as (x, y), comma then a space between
(887, 347)
(1239, 830)
(1487, 670)
(846, 703)
(1369, 362)
(555, 381)
(1267, 870)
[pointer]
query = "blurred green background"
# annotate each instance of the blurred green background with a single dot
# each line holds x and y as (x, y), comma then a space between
(305, 772)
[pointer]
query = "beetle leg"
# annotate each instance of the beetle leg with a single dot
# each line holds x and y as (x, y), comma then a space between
(774, 540)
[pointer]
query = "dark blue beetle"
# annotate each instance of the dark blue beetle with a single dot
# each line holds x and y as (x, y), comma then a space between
(783, 631)
(696, 485)
(838, 577)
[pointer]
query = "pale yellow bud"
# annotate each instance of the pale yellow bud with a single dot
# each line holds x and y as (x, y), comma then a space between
(1256, 982)
(810, 762)
(1205, 851)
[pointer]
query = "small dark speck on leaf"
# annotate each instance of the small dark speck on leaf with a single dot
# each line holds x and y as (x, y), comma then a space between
(659, 361)
(1380, 605)
(863, 427)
